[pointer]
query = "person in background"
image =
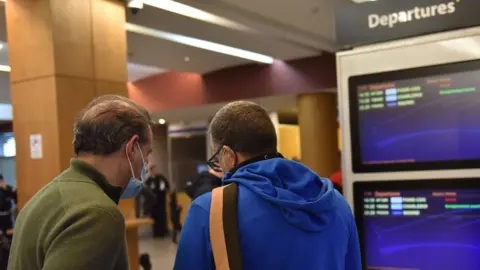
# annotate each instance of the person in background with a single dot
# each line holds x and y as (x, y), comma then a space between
(160, 187)
(145, 262)
(145, 200)
(336, 179)
(8, 195)
(203, 183)
(288, 217)
(74, 221)
(175, 214)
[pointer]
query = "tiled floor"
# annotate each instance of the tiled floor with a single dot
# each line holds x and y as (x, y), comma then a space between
(161, 251)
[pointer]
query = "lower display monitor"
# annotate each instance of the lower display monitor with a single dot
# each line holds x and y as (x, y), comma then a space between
(419, 225)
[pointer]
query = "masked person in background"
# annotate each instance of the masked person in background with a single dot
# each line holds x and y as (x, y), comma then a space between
(145, 199)
(159, 186)
(74, 222)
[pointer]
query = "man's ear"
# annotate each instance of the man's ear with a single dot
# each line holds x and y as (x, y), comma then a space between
(230, 153)
(226, 151)
(132, 144)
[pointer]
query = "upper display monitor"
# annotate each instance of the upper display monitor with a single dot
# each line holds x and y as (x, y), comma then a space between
(418, 119)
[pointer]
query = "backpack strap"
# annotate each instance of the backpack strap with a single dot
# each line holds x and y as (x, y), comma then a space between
(224, 228)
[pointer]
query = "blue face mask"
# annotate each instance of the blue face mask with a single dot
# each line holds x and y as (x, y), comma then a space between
(135, 185)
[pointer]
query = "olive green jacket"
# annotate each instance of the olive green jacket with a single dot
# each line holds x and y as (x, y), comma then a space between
(73, 223)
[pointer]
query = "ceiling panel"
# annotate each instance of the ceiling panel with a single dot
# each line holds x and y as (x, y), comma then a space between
(205, 112)
(166, 21)
(311, 16)
(161, 53)
(137, 72)
(150, 55)
(304, 23)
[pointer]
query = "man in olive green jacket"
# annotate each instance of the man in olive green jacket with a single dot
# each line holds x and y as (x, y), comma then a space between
(74, 223)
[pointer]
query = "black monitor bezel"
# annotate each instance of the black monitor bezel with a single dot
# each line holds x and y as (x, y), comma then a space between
(361, 186)
(353, 82)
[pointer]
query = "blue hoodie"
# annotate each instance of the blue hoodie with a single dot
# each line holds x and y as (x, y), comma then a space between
(289, 219)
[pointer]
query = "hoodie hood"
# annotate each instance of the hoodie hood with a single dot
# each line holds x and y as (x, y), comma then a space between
(306, 200)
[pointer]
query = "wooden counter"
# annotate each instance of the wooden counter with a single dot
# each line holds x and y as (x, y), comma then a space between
(132, 226)
(135, 223)
(132, 223)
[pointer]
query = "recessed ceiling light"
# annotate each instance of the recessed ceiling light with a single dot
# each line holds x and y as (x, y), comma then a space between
(186, 59)
(199, 43)
(137, 4)
(162, 121)
(5, 68)
(195, 13)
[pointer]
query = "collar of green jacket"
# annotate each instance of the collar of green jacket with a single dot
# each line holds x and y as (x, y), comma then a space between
(86, 169)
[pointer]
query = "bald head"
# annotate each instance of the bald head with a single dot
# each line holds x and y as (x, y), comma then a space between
(245, 127)
(107, 123)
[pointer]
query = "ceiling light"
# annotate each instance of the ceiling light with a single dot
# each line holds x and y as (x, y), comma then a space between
(468, 46)
(186, 59)
(137, 4)
(162, 121)
(194, 13)
(199, 43)
(5, 68)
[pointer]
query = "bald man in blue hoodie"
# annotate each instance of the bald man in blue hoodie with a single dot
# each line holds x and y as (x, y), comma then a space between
(288, 217)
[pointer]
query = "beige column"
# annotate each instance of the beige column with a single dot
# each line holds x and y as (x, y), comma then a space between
(63, 53)
(159, 156)
(317, 118)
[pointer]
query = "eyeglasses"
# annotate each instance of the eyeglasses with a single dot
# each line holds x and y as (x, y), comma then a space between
(213, 161)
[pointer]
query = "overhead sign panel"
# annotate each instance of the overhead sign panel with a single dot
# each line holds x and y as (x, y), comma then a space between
(387, 20)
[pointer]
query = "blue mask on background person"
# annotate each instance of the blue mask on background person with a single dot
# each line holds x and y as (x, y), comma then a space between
(135, 185)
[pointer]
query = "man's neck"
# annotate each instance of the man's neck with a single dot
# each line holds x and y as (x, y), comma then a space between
(216, 174)
(108, 166)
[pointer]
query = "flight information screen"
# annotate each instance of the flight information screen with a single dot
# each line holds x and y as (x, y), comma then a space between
(419, 119)
(421, 229)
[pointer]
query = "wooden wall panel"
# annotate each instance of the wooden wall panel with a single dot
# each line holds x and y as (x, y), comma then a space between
(35, 112)
(317, 118)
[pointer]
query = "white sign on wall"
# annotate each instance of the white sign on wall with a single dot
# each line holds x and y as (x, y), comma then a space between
(36, 146)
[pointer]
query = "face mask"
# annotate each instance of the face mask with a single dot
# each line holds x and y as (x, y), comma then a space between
(135, 185)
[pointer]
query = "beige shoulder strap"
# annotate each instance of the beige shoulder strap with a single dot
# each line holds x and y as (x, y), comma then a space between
(224, 228)
(217, 234)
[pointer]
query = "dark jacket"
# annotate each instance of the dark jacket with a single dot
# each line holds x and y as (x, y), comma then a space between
(7, 195)
(175, 211)
(203, 183)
